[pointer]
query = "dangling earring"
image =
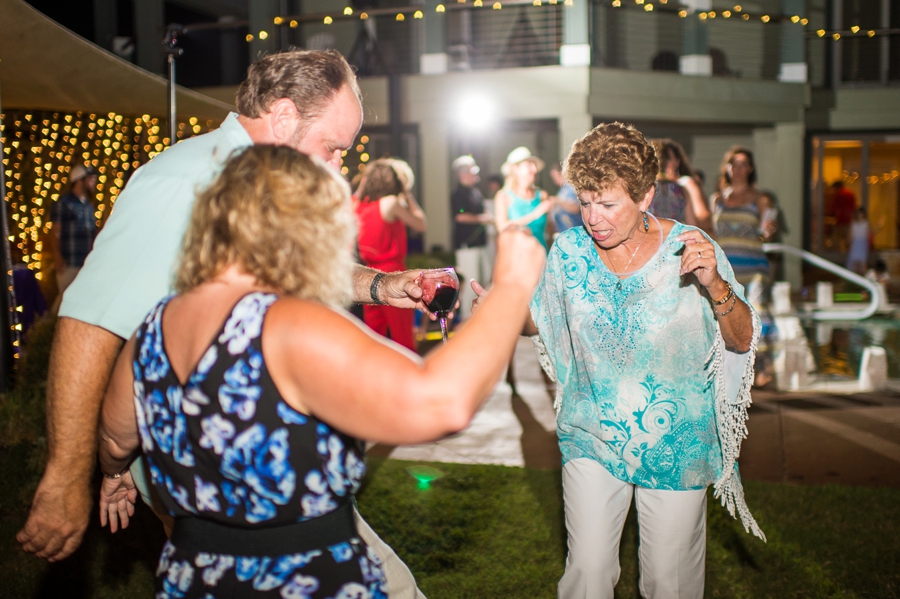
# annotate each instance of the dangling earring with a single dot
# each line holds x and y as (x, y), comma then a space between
(646, 223)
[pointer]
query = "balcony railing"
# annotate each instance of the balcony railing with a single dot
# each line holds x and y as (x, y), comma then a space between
(624, 34)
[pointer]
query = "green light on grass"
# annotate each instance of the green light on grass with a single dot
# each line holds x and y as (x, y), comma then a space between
(848, 297)
(424, 475)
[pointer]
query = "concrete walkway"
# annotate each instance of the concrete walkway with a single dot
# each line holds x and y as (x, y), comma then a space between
(821, 439)
(793, 438)
(508, 427)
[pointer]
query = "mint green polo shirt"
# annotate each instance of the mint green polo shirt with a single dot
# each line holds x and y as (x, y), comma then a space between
(133, 262)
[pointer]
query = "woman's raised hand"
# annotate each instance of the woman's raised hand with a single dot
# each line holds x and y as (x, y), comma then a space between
(699, 257)
(520, 258)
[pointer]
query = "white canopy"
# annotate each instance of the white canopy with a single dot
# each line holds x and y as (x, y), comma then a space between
(44, 66)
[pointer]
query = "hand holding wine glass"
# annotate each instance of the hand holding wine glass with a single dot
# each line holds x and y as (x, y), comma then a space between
(440, 290)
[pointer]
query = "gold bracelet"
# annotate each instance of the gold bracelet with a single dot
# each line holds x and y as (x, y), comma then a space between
(728, 295)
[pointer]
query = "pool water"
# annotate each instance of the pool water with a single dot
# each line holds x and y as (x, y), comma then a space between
(837, 346)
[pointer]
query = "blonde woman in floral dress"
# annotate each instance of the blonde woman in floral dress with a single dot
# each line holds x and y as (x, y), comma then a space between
(250, 391)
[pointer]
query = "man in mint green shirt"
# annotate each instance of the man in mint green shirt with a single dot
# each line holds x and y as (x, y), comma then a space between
(309, 101)
(133, 258)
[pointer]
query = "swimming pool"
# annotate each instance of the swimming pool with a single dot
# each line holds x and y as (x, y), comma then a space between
(837, 346)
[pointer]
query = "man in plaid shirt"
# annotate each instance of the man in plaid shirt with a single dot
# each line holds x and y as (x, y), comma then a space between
(74, 226)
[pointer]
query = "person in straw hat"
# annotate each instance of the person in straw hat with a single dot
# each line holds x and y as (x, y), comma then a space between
(520, 202)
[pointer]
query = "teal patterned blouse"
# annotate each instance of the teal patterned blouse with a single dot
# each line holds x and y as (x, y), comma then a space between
(632, 359)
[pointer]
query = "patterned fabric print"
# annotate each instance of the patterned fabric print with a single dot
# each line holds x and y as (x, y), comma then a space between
(343, 468)
(226, 447)
(737, 232)
(669, 201)
(295, 576)
(631, 358)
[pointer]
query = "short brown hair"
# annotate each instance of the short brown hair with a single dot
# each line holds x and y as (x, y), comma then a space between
(309, 78)
(280, 215)
(611, 153)
(381, 180)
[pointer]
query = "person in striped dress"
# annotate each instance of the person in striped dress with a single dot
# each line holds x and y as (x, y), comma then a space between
(743, 219)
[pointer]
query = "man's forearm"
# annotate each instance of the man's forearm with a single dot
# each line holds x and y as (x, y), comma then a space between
(362, 284)
(81, 361)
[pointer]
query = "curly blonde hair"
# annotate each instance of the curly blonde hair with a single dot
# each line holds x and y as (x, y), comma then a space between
(611, 153)
(280, 215)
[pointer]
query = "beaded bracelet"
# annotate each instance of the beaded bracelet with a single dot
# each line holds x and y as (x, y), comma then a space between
(373, 290)
(115, 476)
(728, 295)
(728, 311)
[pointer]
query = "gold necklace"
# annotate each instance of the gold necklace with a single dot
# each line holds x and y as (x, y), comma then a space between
(630, 260)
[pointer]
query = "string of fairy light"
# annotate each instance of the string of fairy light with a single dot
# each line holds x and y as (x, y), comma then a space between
(399, 14)
(737, 13)
(39, 149)
(361, 156)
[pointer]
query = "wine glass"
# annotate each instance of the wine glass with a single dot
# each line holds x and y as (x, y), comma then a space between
(440, 289)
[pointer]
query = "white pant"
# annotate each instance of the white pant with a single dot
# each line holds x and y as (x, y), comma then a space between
(473, 263)
(672, 532)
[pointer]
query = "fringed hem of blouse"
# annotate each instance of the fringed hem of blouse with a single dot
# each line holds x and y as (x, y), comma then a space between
(549, 370)
(731, 423)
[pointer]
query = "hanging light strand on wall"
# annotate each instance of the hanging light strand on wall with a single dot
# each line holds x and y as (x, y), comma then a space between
(734, 13)
(854, 31)
(39, 149)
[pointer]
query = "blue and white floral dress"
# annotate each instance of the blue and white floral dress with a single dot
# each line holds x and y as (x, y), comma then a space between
(645, 386)
(225, 450)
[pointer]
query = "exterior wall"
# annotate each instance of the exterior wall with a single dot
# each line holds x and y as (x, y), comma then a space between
(856, 109)
(676, 98)
(433, 102)
(376, 110)
(780, 162)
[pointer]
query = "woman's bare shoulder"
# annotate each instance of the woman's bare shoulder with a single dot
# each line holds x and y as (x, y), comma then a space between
(295, 312)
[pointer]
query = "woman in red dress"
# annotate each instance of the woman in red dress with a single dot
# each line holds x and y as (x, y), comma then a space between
(384, 209)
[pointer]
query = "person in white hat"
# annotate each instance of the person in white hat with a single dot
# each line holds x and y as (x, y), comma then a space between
(520, 202)
(74, 227)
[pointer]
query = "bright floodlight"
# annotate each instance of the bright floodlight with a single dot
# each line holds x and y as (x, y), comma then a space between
(475, 113)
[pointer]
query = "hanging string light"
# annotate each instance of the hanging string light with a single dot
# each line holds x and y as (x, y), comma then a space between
(40, 147)
(737, 12)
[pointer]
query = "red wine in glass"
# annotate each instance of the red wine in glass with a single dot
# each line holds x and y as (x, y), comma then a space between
(440, 289)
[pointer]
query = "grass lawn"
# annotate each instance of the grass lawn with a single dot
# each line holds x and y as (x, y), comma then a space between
(479, 532)
(492, 531)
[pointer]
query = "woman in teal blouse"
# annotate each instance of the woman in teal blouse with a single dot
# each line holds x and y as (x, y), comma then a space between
(651, 343)
(520, 202)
